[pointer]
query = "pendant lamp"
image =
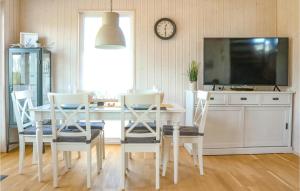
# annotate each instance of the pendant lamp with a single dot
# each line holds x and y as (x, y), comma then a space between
(110, 35)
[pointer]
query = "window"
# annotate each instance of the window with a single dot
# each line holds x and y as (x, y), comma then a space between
(108, 73)
(105, 72)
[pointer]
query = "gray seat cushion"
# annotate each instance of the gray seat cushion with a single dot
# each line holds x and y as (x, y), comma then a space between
(183, 130)
(94, 134)
(94, 125)
(141, 128)
(140, 140)
(31, 130)
(47, 122)
(145, 107)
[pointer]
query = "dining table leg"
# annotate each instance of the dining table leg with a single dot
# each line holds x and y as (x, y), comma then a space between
(39, 147)
(176, 150)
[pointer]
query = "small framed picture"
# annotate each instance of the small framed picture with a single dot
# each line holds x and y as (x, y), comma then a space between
(28, 40)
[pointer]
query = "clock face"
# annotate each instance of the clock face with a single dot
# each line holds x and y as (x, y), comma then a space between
(165, 28)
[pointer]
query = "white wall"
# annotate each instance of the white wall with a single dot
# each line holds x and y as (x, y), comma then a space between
(9, 34)
(2, 137)
(297, 105)
(162, 63)
(288, 25)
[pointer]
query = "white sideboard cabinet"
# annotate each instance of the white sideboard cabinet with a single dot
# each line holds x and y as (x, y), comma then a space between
(245, 122)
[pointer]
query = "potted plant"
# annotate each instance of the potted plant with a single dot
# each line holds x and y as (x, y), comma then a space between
(193, 75)
(37, 43)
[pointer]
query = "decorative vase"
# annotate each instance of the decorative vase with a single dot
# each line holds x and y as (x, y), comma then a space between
(193, 86)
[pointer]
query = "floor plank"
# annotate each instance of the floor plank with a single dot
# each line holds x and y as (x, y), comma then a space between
(230, 172)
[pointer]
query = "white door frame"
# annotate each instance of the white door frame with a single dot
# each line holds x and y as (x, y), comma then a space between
(2, 79)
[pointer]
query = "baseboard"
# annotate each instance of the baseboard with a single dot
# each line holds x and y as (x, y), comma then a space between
(296, 153)
(248, 150)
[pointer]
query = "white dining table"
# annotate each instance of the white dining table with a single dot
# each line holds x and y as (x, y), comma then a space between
(171, 115)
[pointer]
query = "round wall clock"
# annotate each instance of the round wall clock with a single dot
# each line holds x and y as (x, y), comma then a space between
(165, 28)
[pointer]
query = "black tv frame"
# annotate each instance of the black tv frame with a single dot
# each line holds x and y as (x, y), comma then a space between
(223, 84)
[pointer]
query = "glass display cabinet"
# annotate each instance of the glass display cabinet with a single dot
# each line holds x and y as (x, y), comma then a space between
(28, 69)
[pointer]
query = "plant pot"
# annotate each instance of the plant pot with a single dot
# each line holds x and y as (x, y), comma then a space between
(193, 86)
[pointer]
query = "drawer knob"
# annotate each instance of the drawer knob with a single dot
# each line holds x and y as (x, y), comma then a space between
(243, 98)
(212, 98)
(275, 98)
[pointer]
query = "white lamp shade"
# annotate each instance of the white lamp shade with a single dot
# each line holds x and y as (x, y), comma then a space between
(110, 35)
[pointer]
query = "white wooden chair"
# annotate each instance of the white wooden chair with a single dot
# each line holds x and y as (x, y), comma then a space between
(70, 136)
(99, 124)
(26, 125)
(146, 91)
(140, 135)
(188, 134)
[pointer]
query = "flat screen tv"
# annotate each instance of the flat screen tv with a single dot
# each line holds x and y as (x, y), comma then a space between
(246, 61)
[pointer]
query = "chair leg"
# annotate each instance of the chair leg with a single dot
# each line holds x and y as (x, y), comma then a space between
(162, 151)
(54, 164)
(194, 152)
(166, 152)
(89, 167)
(21, 153)
(130, 156)
(34, 153)
(157, 165)
(44, 148)
(176, 155)
(126, 161)
(103, 145)
(69, 159)
(200, 158)
(122, 167)
(66, 158)
(99, 157)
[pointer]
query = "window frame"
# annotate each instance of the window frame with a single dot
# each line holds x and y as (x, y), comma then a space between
(81, 15)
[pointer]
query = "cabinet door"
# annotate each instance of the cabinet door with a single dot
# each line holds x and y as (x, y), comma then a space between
(267, 126)
(22, 76)
(46, 77)
(224, 127)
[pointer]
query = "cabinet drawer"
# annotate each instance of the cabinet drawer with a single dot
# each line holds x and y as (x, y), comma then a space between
(217, 99)
(249, 99)
(276, 99)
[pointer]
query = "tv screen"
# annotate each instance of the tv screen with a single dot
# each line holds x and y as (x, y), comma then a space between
(246, 61)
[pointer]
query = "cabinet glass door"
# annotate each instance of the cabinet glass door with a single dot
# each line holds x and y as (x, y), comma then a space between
(46, 77)
(23, 71)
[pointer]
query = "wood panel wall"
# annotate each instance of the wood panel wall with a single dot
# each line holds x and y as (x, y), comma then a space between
(164, 63)
(297, 127)
(160, 63)
(9, 33)
(288, 22)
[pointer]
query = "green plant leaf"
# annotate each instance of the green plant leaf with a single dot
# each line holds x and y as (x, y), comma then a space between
(193, 71)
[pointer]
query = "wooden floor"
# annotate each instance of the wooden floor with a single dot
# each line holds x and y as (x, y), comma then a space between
(272, 172)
